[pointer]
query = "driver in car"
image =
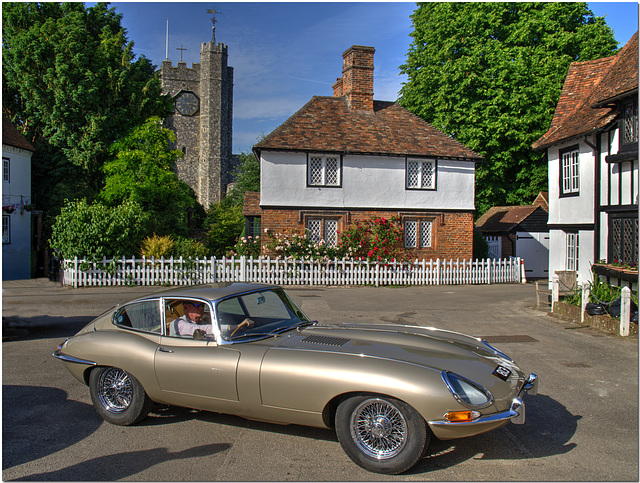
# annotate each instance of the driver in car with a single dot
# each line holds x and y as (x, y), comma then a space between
(191, 320)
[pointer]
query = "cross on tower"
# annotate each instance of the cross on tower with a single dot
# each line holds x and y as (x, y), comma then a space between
(181, 49)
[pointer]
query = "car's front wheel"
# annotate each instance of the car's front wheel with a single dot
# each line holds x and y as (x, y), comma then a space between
(117, 396)
(381, 434)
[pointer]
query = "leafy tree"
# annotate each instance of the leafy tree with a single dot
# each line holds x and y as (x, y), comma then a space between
(490, 75)
(72, 85)
(95, 230)
(247, 179)
(142, 172)
(225, 224)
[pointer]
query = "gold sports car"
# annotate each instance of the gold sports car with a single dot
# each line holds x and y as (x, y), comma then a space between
(251, 352)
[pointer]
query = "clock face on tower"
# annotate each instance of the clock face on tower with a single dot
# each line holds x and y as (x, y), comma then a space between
(187, 103)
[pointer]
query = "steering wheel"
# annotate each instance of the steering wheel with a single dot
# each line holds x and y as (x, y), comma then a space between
(242, 324)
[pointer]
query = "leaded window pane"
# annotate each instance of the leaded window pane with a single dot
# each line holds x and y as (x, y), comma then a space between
(314, 228)
(331, 171)
(410, 234)
(425, 234)
(616, 234)
(428, 174)
(630, 123)
(331, 232)
(315, 170)
(624, 239)
(413, 174)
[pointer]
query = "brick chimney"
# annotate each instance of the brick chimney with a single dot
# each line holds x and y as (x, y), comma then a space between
(356, 82)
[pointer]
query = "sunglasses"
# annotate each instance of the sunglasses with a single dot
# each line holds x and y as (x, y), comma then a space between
(196, 304)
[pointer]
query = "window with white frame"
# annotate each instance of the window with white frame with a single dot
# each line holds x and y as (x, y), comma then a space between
(319, 229)
(323, 170)
(573, 249)
(570, 171)
(418, 233)
(6, 229)
(6, 170)
(421, 174)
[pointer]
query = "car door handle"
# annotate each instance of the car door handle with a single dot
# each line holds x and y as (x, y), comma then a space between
(162, 349)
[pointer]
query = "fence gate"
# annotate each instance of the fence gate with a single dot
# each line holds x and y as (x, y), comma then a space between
(495, 246)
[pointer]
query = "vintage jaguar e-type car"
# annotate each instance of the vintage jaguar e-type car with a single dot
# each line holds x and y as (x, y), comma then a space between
(386, 389)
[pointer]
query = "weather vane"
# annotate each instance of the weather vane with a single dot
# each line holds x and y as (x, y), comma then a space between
(214, 20)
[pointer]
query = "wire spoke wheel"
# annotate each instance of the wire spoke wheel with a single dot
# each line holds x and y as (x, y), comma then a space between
(378, 428)
(115, 390)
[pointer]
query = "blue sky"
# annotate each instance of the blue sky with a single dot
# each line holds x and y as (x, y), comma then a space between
(285, 53)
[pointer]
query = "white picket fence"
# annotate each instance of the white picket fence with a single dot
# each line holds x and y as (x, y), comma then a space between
(179, 271)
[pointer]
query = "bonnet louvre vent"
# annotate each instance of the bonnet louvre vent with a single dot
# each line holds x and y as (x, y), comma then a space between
(325, 340)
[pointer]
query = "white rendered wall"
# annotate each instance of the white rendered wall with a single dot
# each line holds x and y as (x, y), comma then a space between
(367, 182)
(558, 253)
(572, 209)
(16, 255)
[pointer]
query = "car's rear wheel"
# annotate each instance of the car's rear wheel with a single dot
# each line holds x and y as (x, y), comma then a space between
(118, 397)
(381, 434)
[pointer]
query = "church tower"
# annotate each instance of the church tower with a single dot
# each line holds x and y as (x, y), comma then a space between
(202, 120)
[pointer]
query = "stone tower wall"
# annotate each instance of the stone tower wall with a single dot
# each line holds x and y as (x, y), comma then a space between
(206, 137)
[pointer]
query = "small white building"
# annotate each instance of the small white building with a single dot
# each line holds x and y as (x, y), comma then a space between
(344, 159)
(592, 150)
(16, 203)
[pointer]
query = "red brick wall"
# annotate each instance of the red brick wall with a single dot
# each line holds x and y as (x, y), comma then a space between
(452, 235)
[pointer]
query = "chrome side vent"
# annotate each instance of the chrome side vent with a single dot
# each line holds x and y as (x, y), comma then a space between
(325, 340)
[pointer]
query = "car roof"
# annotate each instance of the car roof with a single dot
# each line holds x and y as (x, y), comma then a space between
(211, 291)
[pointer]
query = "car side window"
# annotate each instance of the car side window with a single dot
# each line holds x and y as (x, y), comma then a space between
(143, 316)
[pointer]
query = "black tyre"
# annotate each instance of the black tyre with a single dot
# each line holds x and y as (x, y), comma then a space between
(381, 434)
(118, 397)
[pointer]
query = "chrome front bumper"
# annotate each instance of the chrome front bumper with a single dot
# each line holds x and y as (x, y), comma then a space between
(516, 413)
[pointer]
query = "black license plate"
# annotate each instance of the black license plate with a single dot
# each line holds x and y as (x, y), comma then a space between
(502, 372)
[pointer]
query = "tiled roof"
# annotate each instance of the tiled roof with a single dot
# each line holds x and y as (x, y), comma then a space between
(582, 105)
(12, 137)
(328, 124)
(504, 218)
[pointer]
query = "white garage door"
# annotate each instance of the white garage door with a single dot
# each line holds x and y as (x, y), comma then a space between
(533, 248)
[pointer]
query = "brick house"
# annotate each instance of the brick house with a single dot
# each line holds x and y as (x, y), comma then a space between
(519, 231)
(592, 150)
(348, 158)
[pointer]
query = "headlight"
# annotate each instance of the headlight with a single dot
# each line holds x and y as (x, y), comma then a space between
(467, 392)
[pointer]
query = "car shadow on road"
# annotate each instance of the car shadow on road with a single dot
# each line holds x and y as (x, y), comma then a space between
(29, 409)
(162, 415)
(42, 327)
(122, 465)
(548, 430)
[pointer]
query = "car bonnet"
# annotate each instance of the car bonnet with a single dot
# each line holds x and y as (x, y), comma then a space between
(426, 346)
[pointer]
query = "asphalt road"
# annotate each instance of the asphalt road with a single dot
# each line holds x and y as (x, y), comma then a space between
(583, 424)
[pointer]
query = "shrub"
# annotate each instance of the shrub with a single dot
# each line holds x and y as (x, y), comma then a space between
(157, 246)
(376, 239)
(247, 246)
(94, 231)
(189, 248)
